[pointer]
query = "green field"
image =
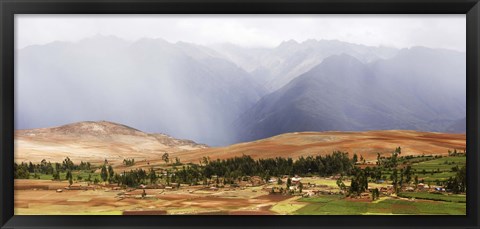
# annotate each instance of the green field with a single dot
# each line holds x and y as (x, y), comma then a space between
(338, 205)
(439, 169)
(443, 164)
(435, 196)
(83, 174)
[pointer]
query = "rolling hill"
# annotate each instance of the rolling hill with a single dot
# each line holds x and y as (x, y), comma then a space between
(367, 144)
(95, 142)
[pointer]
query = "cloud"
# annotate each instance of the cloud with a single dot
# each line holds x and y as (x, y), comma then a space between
(436, 31)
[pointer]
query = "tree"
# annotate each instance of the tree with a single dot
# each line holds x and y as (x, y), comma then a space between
(168, 177)
(458, 183)
(69, 177)
(401, 178)
(165, 157)
(56, 175)
(177, 161)
(359, 182)
(104, 173)
(416, 181)
(375, 194)
(67, 164)
(129, 162)
(340, 184)
(279, 181)
(111, 173)
(152, 176)
(355, 158)
(394, 178)
(289, 183)
(300, 187)
(398, 150)
(21, 171)
(408, 174)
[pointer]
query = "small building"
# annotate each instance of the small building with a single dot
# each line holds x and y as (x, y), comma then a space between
(296, 180)
(423, 186)
(365, 195)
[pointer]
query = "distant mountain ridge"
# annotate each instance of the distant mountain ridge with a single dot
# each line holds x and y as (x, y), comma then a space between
(344, 94)
(224, 94)
(151, 84)
(276, 67)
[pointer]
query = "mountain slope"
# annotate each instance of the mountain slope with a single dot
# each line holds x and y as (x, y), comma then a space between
(276, 67)
(94, 142)
(152, 84)
(459, 126)
(342, 93)
(366, 144)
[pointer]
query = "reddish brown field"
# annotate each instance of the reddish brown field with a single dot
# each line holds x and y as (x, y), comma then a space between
(148, 150)
(39, 197)
(367, 144)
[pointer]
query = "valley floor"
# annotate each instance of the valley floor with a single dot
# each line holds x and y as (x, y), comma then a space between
(42, 197)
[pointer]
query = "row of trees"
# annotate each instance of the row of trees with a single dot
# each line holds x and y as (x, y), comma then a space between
(23, 170)
(335, 163)
(233, 169)
(129, 162)
(49, 168)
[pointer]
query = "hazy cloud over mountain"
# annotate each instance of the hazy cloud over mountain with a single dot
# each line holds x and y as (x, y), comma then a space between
(398, 31)
(271, 79)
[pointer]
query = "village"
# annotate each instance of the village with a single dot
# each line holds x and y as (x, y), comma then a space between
(226, 186)
(252, 195)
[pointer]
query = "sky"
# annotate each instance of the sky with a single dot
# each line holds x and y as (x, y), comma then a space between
(398, 31)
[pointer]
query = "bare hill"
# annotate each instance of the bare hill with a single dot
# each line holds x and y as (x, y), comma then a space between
(95, 141)
(314, 143)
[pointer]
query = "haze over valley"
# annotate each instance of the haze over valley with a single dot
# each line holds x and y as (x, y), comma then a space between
(223, 94)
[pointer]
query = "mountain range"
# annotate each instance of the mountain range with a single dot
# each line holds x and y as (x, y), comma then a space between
(223, 94)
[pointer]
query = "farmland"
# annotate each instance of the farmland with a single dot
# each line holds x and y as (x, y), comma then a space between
(423, 174)
(39, 195)
(338, 205)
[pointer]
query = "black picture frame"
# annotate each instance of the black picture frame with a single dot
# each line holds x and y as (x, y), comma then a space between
(9, 8)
